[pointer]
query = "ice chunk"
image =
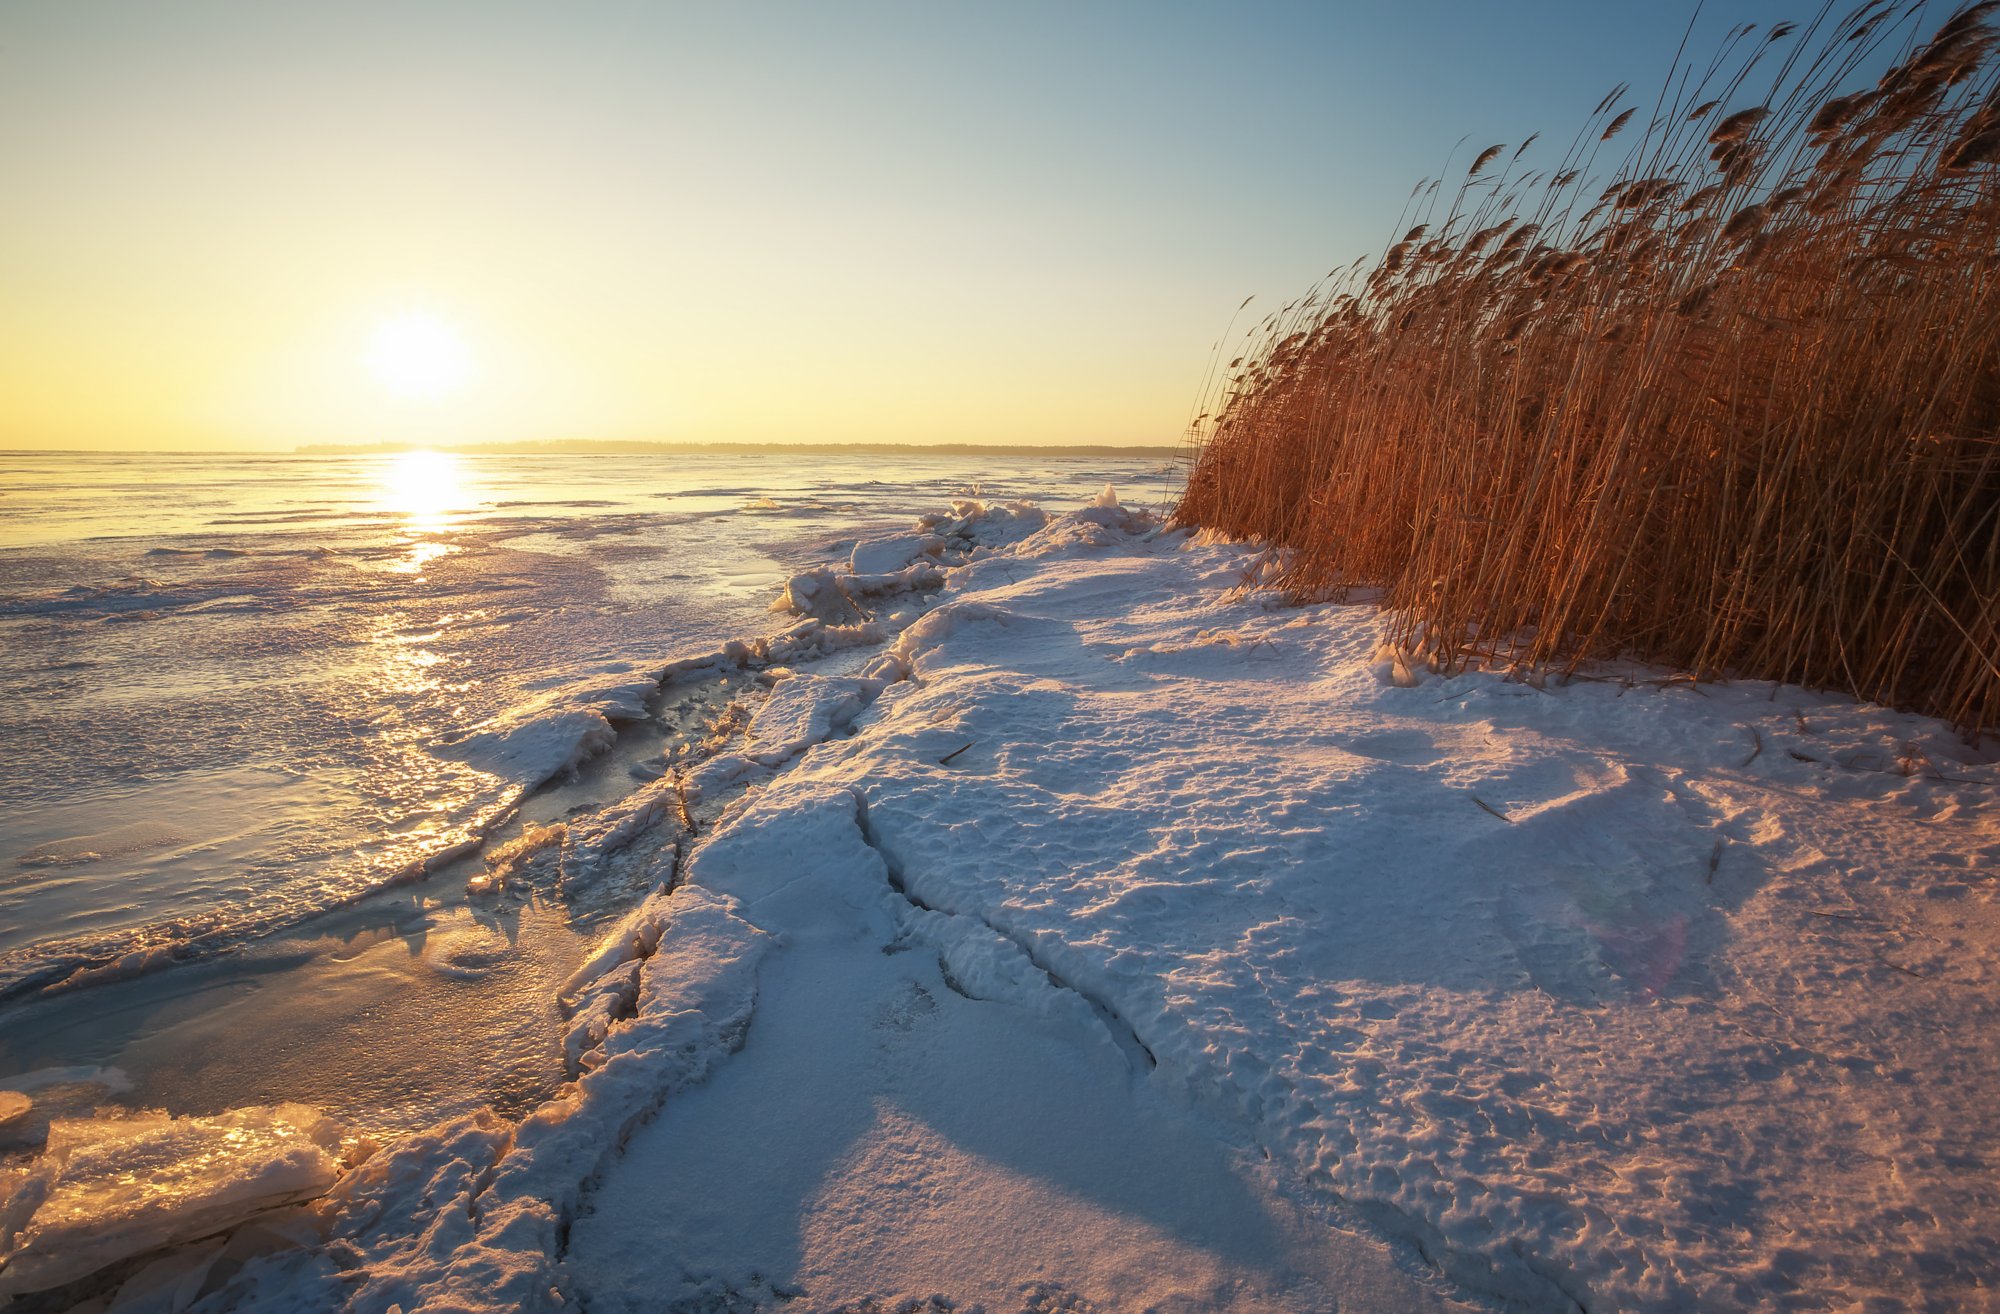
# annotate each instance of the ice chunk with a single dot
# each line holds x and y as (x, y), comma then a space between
(837, 598)
(536, 740)
(690, 1007)
(717, 776)
(882, 556)
(974, 524)
(112, 1080)
(603, 1003)
(507, 861)
(14, 1110)
(109, 1188)
(802, 711)
(656, 810)
(819, 595)
(531, 747)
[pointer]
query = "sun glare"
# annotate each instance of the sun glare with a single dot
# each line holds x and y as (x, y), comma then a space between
(424, 488)
(418, 355)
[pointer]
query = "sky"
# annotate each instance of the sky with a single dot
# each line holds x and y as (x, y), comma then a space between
(1018, 222)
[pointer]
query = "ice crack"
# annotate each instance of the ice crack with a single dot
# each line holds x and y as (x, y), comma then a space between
(1528, 1281)
(1122, 1033)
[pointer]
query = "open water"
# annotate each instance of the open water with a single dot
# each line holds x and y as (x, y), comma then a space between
(236, 692)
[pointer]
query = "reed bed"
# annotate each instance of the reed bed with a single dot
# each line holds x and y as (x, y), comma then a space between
(1719, 389)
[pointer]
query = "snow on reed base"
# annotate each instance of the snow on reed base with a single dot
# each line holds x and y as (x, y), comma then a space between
(1642, 997)
(1731, 403)
(1613, 994)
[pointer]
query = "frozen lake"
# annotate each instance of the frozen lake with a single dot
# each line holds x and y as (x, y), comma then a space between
(241, 692)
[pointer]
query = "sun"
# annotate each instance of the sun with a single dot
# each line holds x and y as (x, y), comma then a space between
(418, 355)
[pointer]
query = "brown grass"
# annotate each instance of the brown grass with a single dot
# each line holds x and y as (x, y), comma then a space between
(1732, 404)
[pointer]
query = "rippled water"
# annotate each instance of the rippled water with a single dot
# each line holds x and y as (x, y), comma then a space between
(233, 690)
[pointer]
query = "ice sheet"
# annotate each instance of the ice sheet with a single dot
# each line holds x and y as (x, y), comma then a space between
(265, 687)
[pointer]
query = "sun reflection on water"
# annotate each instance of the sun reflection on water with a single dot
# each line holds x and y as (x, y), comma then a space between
(425, 488)
(422, 552)
(427, 491)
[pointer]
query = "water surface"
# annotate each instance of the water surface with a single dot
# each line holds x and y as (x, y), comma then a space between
(234, 690)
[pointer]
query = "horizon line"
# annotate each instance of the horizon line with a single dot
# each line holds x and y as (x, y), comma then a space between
(590, 446)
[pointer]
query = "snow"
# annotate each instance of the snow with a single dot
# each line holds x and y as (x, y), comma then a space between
(1120, 937)
(1637, 997)
(883, 1136)
(1621, 994)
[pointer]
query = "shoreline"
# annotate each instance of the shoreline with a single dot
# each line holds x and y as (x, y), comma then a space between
(1497, 980)
(591, 744)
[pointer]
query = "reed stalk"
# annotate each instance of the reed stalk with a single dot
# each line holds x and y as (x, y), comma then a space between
(1731, 403)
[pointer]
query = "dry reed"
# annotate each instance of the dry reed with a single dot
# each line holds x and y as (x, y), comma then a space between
(1732, 404)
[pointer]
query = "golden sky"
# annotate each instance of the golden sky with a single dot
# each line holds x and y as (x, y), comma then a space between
(1015, 223)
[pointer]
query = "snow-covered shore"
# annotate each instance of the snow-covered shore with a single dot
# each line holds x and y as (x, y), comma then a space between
(1122, 938)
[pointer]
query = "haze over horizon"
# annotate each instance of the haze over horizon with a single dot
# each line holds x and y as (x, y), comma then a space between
(257, 226)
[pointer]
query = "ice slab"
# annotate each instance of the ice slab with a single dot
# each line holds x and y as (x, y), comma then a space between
(108, 1188)
(803, 710)
(879, 556)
